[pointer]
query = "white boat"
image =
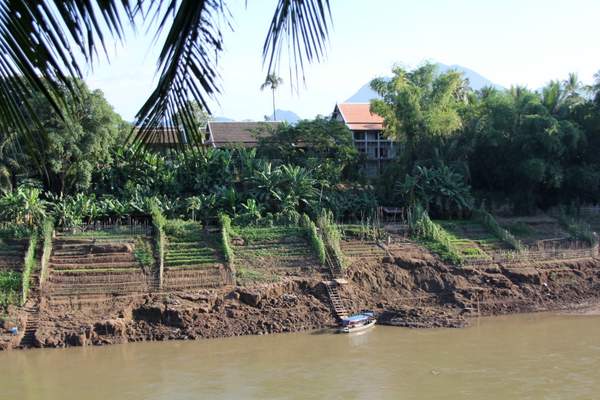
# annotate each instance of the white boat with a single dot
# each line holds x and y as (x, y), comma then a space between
(357, 322)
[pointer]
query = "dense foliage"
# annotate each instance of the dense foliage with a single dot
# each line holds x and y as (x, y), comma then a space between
(460, 150)
(545, 143)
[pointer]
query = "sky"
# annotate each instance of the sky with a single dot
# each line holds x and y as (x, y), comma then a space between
(525, 42)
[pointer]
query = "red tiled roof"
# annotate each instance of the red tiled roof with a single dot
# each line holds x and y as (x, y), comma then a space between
(359, 117)
(246, 134)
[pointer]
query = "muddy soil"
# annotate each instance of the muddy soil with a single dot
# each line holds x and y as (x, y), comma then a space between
(415, 290)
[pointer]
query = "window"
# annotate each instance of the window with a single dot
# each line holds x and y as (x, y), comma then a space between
(372, 151)
(372, 135)
(383, 153)
(359, 135)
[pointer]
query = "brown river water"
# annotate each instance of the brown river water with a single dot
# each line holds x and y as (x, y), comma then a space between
(540, 356)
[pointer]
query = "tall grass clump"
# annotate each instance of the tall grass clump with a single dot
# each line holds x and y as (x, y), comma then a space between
(28, 266)
(490, 223)
(433, 236)
(47, 234)
(315, 239)
(226, 232)
(159, 221)
(331, 236)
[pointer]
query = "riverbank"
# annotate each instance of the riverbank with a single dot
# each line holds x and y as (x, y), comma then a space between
(414, 289)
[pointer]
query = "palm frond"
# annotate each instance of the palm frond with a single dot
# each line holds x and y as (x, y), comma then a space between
(43, 44)
(187, 65)
(304, 26)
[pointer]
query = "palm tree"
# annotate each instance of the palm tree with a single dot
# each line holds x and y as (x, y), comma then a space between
(272, 81)
(44, 43)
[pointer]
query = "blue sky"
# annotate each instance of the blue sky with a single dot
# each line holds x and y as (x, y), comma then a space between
(527, 42)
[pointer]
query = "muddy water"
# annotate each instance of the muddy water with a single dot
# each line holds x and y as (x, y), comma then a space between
(525, 357)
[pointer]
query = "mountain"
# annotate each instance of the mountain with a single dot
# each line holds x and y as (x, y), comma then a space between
(476, 81)
(223, 119)
(282, 115)
(285, 115)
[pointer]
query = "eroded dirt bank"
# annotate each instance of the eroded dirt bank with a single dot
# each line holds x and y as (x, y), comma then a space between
(410, 291)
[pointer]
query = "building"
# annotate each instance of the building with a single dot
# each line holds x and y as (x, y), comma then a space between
(164, 139)
(238, 134)
(367, 135)
(216, 134)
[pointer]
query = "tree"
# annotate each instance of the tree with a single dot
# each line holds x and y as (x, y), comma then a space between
(49, 42)
(441, 191)
(419, 103)
(23, 206)
(272, 82)
(322, 145)
(74, 143)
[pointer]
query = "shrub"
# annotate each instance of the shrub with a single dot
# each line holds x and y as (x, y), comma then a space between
(441, 190)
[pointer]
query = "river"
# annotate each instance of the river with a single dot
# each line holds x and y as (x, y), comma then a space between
(540, 356)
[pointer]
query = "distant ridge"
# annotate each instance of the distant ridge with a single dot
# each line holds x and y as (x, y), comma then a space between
(223, 119)
(282, 115)
(285, 115)
(476, 81)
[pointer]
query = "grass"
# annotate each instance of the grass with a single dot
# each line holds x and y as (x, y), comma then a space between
(520, 229)
(577, 229)
(187, 245)
(143, 253)
(10, 287)
(13, 231)
(246, 276)
(100, 234)
(84, 270)
(272, 234)
(362, 232)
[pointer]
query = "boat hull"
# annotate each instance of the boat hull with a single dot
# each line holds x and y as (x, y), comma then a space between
(360, 328)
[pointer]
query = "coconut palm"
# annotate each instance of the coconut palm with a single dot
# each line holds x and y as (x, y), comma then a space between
(44, 43)
(272, 81)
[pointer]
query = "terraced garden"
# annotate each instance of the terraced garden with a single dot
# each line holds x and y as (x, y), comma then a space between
(99, 263)
(472, 239)
(264, 254)
(533, 231)
(359, 243)
(192, 257)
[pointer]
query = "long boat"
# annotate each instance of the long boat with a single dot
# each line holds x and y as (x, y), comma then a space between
(358, 322)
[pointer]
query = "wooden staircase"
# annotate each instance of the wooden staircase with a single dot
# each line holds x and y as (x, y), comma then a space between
(28, 339)
(335, 299)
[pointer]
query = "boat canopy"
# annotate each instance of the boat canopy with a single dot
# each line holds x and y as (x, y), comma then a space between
(356, 318)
